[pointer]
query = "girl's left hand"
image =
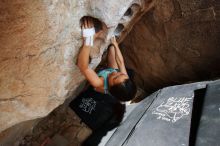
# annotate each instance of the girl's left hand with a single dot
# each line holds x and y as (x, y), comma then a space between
(88, 31)
(87, 23)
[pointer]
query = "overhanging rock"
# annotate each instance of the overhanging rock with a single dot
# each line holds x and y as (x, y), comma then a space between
(39, 44)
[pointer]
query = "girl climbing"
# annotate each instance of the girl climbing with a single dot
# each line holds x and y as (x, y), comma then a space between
(113, 80)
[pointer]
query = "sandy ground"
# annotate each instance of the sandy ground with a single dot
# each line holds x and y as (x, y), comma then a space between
(61, 126)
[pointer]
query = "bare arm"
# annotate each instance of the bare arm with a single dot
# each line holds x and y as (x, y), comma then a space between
(118, 57)
(83, 60)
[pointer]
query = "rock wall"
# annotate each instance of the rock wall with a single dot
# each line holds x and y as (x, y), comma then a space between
(173, 41)
(39, 43)
(176, 41)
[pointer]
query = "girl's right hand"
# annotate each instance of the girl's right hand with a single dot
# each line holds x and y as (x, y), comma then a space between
(114, 42)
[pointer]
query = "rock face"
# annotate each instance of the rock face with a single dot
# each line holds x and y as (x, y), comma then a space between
(39, 43)
(175, 42)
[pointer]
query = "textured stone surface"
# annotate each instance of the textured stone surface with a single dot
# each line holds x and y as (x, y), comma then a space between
(177, 41)
(14, 134)
(174, 42)
(68, 127)
(39, 43)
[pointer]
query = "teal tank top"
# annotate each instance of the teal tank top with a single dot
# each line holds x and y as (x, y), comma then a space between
(104, 73)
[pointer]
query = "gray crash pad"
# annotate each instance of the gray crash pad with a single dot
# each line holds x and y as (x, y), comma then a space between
(162, 119)
(208, 132)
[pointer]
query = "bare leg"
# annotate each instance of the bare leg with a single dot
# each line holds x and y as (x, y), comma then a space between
(111, 57)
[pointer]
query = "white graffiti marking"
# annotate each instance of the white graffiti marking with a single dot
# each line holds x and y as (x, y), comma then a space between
(88, 105)
(174, 109)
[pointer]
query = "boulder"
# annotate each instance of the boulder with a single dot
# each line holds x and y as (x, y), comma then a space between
(175, 42)
(39, 42)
